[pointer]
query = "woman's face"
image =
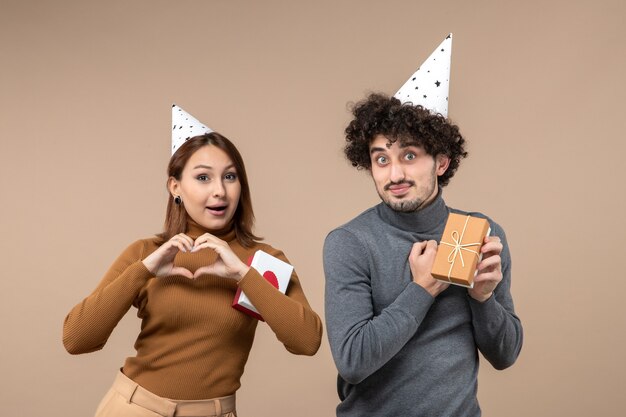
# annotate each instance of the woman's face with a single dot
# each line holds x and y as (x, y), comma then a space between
(209, 187)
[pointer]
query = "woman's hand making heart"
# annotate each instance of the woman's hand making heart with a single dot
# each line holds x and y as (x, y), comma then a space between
(227, 265)
(161, 262)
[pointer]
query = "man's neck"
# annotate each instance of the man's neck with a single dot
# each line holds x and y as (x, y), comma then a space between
(426, 219)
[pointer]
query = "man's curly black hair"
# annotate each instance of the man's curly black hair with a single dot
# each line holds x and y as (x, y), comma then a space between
(380, 114)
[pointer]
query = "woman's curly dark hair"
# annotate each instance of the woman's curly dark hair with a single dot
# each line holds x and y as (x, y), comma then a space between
(380, 114)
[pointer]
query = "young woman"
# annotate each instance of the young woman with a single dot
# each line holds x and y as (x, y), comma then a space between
(193, 345)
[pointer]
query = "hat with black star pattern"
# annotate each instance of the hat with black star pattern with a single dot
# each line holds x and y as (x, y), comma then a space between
(185, 127)
(429, 85)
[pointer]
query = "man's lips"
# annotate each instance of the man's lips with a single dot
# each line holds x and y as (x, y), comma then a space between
(398, 189)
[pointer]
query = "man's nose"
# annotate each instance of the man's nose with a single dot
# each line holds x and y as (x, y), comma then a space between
(396, 173)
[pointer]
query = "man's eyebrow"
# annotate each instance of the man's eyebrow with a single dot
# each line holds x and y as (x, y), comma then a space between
(377, 149)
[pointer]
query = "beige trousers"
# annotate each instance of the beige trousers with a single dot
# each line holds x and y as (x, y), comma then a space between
(127, 399)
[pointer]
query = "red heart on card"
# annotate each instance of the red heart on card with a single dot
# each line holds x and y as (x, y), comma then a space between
(271, 277)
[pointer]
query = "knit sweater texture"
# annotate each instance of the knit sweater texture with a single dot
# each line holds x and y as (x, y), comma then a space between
(193, 344)
(398, 350)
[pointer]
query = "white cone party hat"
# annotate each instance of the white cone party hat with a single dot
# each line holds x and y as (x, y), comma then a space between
(184, 127)
(429, 85)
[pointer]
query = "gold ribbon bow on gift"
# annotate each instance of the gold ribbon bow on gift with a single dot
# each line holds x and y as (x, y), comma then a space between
(459, 248)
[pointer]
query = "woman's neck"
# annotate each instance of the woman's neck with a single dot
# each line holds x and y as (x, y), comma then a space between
(195, 230)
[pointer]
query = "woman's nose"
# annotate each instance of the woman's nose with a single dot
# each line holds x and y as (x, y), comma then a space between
(218, 189)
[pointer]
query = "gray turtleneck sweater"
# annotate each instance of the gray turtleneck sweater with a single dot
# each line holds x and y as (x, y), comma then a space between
(398, 350)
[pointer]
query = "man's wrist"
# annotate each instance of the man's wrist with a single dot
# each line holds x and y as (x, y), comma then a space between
(481, 298)
(431, 286)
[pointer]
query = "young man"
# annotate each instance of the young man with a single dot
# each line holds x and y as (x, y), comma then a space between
(406, 344)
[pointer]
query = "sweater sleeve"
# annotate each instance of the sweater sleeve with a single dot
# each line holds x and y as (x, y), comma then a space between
(361, 342)
(89, 324)
(497, 330)
(289, 315)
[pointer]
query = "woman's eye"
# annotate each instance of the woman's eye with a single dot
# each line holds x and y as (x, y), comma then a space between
(202, 177)
(230, 176)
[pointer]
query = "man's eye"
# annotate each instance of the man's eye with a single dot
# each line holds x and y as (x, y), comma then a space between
(381, 160)
(410, 156)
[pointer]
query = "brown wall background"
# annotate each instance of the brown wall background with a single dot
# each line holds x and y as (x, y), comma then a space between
(86, 89)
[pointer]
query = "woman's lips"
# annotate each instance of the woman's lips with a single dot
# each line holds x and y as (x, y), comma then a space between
(217, 210)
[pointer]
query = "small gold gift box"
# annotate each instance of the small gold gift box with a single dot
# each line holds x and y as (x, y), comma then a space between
(459, 250)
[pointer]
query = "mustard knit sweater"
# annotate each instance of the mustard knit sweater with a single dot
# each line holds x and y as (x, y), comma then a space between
(193, 344)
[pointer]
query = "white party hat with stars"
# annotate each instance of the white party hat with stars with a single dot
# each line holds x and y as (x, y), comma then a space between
(429, 85)
(184, 127)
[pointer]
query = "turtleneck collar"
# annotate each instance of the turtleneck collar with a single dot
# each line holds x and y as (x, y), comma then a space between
(425, 220)
(195, 230)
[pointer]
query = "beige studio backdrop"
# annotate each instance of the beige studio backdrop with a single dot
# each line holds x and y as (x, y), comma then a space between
(86, 88)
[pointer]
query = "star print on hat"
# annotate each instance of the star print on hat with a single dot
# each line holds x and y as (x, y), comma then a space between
(429, 85)
(184, 127)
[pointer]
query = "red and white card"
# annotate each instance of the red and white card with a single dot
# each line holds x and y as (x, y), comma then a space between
(277, 272)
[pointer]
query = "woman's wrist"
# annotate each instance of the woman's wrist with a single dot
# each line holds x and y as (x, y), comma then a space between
(242, 272)
(148, 266)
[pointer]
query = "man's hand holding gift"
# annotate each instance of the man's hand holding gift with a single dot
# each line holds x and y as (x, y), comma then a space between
(421, 261)
(489, 270)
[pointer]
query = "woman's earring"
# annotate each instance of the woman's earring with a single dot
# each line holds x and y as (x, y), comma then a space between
(178, 200)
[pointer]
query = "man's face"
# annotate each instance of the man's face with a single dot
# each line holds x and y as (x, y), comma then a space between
(405, 176)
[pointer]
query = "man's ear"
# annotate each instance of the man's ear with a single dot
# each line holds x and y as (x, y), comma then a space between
(173, 186)
(442, 163)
